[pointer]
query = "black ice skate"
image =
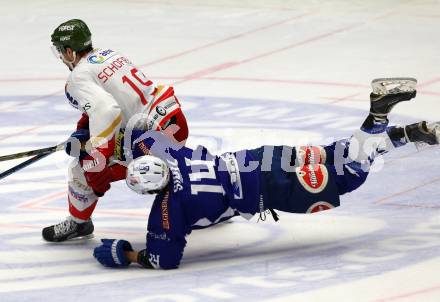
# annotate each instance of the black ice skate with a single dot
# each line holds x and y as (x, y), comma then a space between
(423, 132)
(68, 230)
(388, 92)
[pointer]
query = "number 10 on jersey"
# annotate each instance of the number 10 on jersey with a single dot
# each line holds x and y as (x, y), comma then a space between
(141, 85)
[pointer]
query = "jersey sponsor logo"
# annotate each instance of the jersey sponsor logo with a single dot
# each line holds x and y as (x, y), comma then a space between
(86, 107)
(101, 57)
(78, 196)
(72, 101)
(313, 178)
(161, 111)
(177, 176)
(234, 174)
(154, 120)
(311, 155)
(144, 148)
(162, 236)
(165, 213)
(319, 207)
(119, 153)
(88, 165)
(80, 185)
(66, 27)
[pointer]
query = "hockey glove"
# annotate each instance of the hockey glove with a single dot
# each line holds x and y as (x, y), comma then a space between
(73, 145)
(111, 252)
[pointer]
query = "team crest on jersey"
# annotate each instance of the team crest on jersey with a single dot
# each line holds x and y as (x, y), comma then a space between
(319, 207)
(313, 178)
(101, 57)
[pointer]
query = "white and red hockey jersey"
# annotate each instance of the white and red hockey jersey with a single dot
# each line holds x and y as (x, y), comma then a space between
(113, 92)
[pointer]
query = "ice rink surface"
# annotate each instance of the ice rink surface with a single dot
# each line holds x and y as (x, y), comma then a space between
(247, 73)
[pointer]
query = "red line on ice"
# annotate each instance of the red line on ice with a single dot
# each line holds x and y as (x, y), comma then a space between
(42, 200)
(428, 83)
(269, 53)
(234, 37)
(382, 200)
(411, 294)
(295, 82)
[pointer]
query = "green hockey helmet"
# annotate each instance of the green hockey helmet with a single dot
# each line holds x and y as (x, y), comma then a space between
(72, 34)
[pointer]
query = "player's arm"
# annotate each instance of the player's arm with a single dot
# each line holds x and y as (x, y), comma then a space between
(165, 240)
(119, 253)
(132, 256)
(165, 114)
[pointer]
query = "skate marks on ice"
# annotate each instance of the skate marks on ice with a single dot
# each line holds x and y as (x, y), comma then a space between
(33, 267)
(280, 259)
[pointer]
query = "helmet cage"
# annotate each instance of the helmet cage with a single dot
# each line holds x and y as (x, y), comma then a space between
(58, 51)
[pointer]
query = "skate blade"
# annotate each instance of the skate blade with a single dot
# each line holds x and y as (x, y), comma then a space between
(76, 240)
(81, 238)
(420, 146)
(384, 86)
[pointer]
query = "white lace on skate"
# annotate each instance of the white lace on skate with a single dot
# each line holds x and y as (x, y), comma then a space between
(384, 86)
(64, 227)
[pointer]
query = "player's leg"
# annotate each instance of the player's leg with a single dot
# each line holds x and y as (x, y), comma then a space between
(352, 159)
(82, 202)
(418, 133)
(387, 92)
(375, 138)
(315, 186)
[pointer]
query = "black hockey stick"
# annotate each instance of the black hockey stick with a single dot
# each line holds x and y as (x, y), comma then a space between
(25, 164)
(47, 150)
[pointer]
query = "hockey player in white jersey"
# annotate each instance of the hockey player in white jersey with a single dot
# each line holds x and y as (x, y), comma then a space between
(110, 92)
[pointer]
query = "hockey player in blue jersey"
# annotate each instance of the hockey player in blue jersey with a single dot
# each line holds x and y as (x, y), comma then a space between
(196, 189)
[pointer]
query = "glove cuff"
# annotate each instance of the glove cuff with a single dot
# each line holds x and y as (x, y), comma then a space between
(118, 248)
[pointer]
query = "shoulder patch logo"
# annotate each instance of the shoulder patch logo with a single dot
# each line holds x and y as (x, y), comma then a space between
(313, 178)
(101, 57)
(160, 110)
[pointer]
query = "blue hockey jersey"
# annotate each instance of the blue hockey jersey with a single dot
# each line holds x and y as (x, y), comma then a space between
(203, 190)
